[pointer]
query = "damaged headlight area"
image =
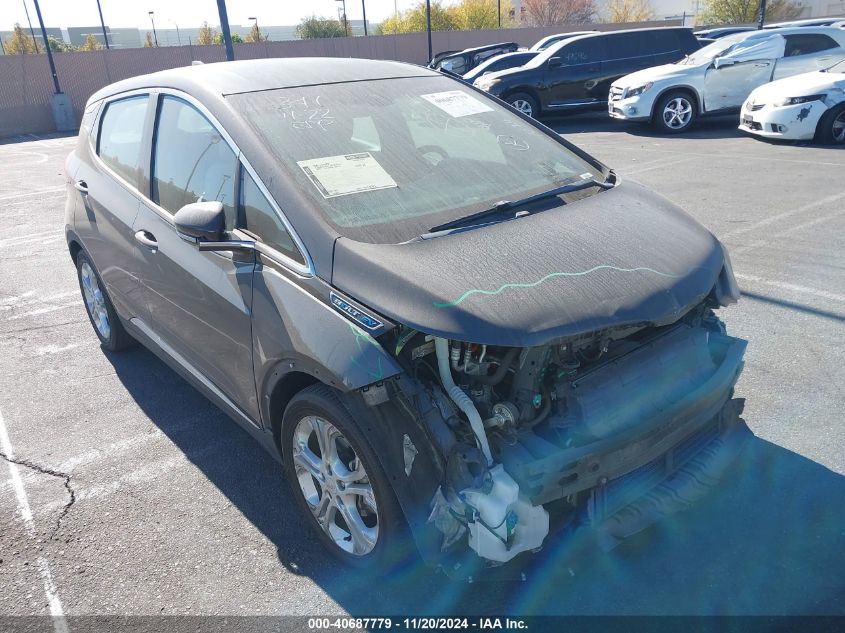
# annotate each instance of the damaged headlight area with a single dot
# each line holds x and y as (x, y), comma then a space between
(790, 101)
(579, 429)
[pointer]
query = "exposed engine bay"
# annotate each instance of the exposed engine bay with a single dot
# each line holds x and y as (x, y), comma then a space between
(583, 426)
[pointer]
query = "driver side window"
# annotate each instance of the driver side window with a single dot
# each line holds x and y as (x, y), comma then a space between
(807, 44)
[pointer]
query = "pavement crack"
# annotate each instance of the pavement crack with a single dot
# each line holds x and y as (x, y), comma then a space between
(46, 470)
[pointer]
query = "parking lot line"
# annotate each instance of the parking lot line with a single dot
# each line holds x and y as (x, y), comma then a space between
(822, 294)
(50, 591)
(13, 196)
(782, 216)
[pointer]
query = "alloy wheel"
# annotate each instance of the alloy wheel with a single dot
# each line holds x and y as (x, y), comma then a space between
(335, 485)
(95, 302)
(524, 106)
(838, 131)
(677, 113)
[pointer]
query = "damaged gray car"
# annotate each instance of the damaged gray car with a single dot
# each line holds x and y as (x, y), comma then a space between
(447, 321)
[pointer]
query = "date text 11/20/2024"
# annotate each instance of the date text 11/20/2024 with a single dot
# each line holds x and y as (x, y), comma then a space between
(430, 623)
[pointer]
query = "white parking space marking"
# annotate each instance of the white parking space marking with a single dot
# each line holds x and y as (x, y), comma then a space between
(658, 165)
(55, 349)
(792, 229)
(40, 311)
(822, 294)
(786, 214)
(50, 591)
(13, 196)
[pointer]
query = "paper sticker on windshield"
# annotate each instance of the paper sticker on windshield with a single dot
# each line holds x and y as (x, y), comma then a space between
(349, 173)
(457, 103)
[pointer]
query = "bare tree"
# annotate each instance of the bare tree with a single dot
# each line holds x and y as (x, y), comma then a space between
(745, 11)
(206, 35)
(553, 12)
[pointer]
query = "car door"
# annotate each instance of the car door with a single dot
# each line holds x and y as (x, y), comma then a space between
(806, 53)
(573, 74)
(625, 53)
(730, 79)
(107, 180)
(199, 303)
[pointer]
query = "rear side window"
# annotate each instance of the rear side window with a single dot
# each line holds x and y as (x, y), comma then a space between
(806, 44)
(625, 46)
(121, 135)
(191, 161)
(584, 51)
(660, 41)
(261, 219)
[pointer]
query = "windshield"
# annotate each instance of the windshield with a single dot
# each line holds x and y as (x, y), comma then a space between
(719, 48)
(382, 161)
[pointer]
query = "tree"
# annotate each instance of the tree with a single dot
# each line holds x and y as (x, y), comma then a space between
(206, 35)
(57, 45)
(90, 43)
(236, 39)
(413, 20)
(479, 14)
(20, 43)
(745, 11)
(554, 12)
(629, 11)
(316, 28)
(148, 40)
(255, 35)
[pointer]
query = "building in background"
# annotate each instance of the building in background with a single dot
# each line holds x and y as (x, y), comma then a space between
(57, 33)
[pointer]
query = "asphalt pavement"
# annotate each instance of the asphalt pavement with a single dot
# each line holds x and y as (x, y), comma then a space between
(132, 494)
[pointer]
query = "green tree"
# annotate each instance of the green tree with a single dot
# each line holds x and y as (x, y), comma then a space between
(90, 43)
(218, 39)
(745, 11)
(57, 45)
(20, 43)
(629, 11)
(206, 35)
(479, 14)
(148, 40)
(316, 28)
(413, 20)
(555, 12)
(255, 35)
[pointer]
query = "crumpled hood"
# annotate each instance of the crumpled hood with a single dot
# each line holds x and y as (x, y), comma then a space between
(621, 257)
(656, 73)
(799, 86)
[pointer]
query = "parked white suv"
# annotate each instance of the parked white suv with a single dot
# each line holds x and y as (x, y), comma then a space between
(719, 77)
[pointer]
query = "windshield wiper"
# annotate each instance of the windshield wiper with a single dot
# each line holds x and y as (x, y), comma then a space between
(511, 205)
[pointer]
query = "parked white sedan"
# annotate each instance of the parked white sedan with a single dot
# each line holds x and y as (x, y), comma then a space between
(804, 107)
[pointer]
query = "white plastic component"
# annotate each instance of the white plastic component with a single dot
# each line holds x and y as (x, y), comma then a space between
(532, 522)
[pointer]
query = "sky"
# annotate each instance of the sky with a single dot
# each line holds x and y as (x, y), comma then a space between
(186, 13)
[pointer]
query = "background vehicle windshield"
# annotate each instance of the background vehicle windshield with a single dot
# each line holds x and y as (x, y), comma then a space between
(384, 161)
(720, 47)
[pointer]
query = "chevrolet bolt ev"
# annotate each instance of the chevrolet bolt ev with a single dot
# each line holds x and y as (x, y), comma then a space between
(448, 322)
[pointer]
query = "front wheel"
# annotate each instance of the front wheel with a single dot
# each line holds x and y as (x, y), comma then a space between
(339, 484)
(831, 129)
(675, 112)
(525, 103)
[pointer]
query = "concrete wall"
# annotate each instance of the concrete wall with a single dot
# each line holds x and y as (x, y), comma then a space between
(26, 85)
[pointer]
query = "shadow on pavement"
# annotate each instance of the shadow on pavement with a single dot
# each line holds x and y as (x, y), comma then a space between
(29, 138)
(769, 540)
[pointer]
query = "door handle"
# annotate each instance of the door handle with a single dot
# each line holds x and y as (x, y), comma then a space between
(147, 239)
(81, 186)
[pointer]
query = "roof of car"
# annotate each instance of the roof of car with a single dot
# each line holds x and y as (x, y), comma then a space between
(254, 75)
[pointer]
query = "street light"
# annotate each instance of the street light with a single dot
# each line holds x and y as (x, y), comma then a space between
(345, 21)
(178, 37)
(256, 28)
(103, 25)
(364, 11)
(31, 30)
(152, 20)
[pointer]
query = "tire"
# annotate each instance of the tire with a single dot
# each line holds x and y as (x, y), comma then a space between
(382, 542)
(107, 325)
(525, 103)
(675, 112)
(831, 128)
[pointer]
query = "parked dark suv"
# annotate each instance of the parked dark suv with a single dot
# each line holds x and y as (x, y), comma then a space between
(445, 319)
(577, 73)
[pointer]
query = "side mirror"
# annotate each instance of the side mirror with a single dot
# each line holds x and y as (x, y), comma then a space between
(203, 224)
(555, 62)
(201, 221)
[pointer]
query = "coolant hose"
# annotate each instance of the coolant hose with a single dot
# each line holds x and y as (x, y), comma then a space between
(502, 371)
(465, 404)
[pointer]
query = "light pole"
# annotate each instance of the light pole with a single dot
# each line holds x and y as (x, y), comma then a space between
(152, 20)
(178, 37)
(49, 53)
(31, 30)
(345, 21)
(364, 11)
(428, 27)
(224, 27)
(103, 25)
(762, 14)
(499, 9)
